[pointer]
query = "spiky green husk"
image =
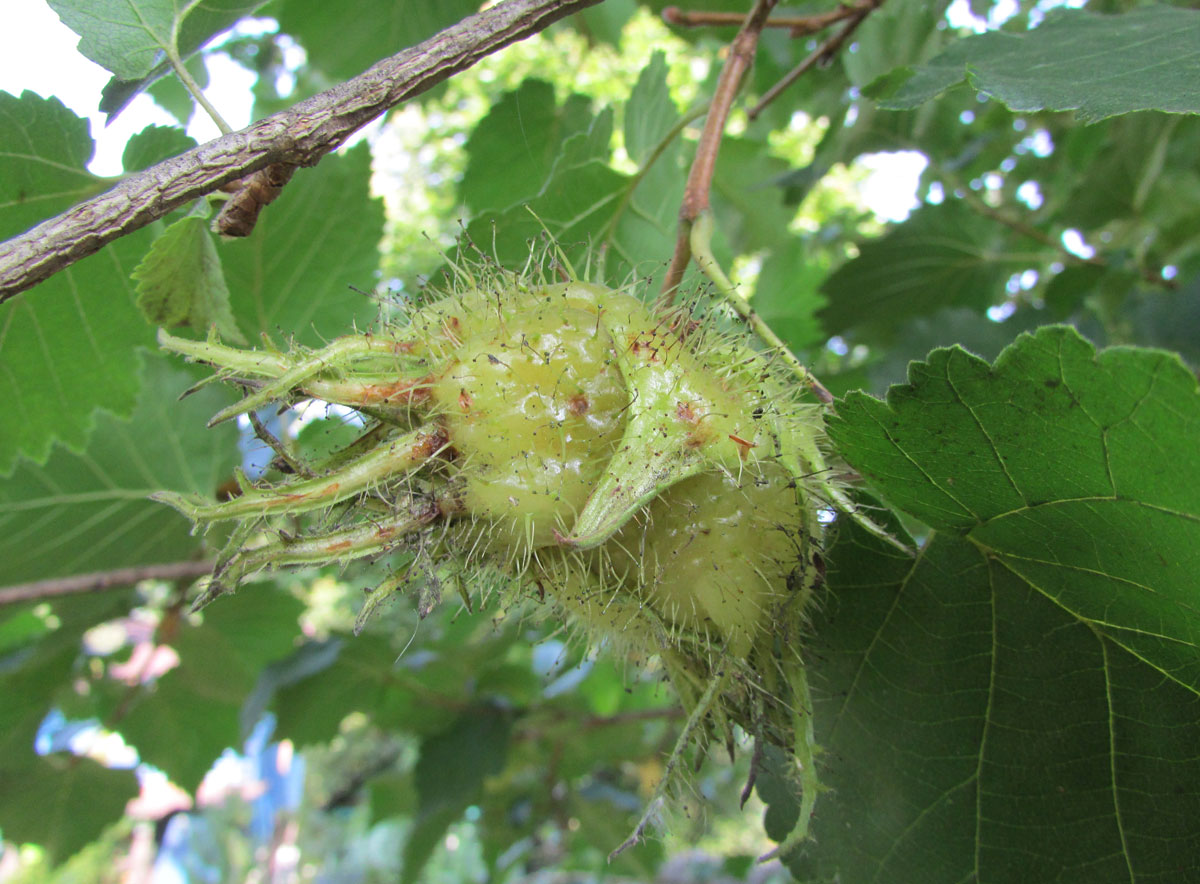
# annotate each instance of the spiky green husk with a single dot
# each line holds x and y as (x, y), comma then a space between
(655, 480)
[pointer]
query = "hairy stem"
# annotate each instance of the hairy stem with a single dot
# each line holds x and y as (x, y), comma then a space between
(190, 84)
(701, 247)
(704, 704)
(387, 463)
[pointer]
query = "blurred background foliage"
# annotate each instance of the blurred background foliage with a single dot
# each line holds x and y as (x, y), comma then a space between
(263, 741)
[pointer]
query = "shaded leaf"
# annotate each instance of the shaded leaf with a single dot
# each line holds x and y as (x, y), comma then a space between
(1170, 319)
(787, 296)
(748, 205)
(180, 281)
(974, 729)
(1066, 291)
(942, 256)
(153, 145)
(90, 512)
(1098, 65)
(969, 329)
(365, 677)
(168, 92)
(64, 803)
(609, 225)
(893, 35)
(48, 799)
(449, 777)
(345, 43)
(605, 21)
(1076, 472)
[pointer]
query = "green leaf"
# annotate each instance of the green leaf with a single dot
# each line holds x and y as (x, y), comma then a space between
(365, 677)
(180, 281)
(128, 36)
(604, 22)
(609, 225)
(1098, 65)
(90, 512)
(168, 92)
(1170, 319)
(1075, 472)
(650, 113)
(293, 277)
(153, 145)
(1066, 291)
(21, 629)
(974, 729)
(787, 296)
(511, 151)
(70, 345)
(45, 149)
(344, 44)
(942, 256)
(192, 713)
(748, 205)
(65, 803)
(895, 34)
(449, 777)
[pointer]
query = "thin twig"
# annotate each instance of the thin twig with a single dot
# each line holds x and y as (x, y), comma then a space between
(699, 182)
(1028, 230)
(823, 54)
(299, 136)
(281, 453)
(101, 580)
(798, 25)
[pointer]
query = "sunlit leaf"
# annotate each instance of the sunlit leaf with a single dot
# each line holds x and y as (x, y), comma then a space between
(180, 281)
(69, 346)
(129, 36)
(90, 512)
(650, 113)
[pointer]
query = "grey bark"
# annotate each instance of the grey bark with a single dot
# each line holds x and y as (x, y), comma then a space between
(300, 136)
